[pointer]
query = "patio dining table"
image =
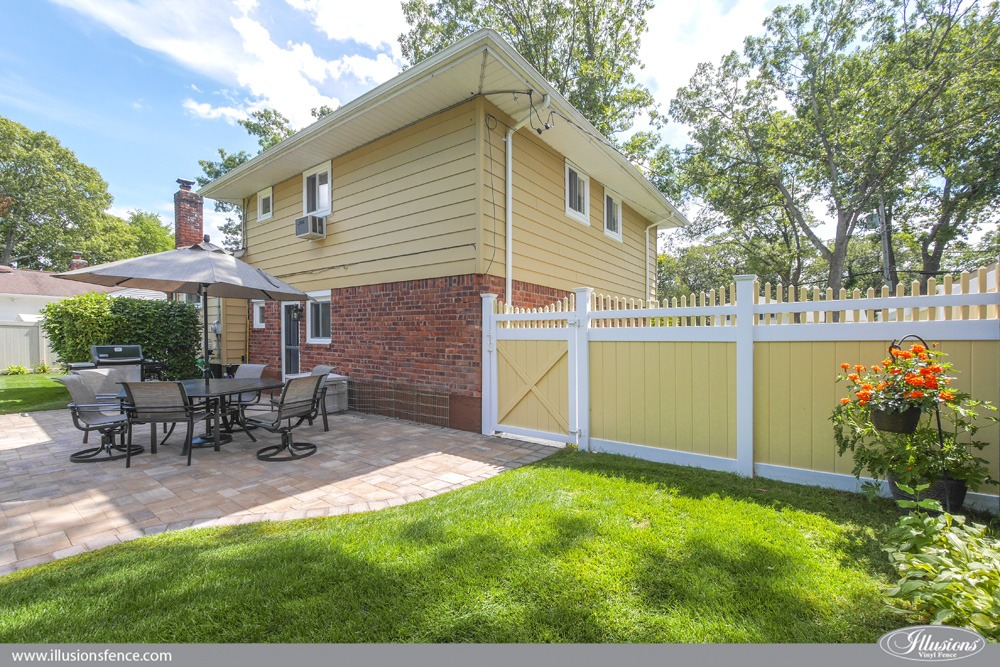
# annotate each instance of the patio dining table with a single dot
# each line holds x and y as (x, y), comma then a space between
(214, 391)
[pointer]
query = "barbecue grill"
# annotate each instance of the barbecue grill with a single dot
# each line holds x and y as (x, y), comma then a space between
(126, 355)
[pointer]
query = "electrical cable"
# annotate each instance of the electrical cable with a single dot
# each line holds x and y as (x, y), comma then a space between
(493, 192)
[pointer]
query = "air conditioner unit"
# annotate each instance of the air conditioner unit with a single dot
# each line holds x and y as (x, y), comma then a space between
(310, 227)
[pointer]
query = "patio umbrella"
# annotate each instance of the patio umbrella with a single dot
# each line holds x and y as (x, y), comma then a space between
(204, 269)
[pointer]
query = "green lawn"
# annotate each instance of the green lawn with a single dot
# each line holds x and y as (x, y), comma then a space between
(30, 393)
(576, 548)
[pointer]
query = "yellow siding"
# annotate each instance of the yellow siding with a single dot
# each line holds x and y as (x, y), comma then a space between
(533, 385)
(795, 392)
(551, 248)
(234, 330)
(404, 208)
(679, 396)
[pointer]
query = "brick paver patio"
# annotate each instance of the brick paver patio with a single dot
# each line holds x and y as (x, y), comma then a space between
(51, 508)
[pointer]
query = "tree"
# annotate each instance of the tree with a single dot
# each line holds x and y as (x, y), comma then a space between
(152, 235)
(48, 198)
(836, 106)
(270, 127)
(587, 49)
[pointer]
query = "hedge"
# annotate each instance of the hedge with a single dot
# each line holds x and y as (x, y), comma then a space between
(168, 331)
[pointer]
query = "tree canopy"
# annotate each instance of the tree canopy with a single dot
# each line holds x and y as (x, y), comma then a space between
(849, 109)
(50, 202)
(587, 49)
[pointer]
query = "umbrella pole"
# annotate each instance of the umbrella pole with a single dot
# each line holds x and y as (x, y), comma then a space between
(204, 313)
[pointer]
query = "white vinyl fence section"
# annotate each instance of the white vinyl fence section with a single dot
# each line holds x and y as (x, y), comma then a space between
(739, 380)
(23, 344)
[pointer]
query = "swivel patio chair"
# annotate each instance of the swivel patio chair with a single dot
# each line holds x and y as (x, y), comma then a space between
(322, 371)
(105, 417)
(104, 383)
(243, 372)
(299, 402)
(162, 403)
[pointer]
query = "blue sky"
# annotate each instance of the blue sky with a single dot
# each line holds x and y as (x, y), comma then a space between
(143, 89)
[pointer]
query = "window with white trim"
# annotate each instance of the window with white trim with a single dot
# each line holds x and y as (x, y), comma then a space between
(577, 194)
(265, 204)
(318, 324)
(258, 314)
(612, 215)
(317, 188)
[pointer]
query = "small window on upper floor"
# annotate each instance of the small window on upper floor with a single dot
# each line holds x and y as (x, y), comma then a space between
(612, 215)
(258, 314)
(577, 194)
(318, 322)
(265, 204)
(316, 190)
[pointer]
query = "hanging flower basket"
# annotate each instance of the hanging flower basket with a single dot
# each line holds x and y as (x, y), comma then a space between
(896, 422)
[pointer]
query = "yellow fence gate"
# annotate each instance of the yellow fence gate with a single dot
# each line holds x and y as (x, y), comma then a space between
(740, 379)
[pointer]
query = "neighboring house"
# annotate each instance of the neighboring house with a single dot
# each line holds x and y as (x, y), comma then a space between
(23, 294)
(418, 205)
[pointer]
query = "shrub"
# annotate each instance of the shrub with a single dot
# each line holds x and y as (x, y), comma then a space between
(42, 368)
(15, 369)
(74, 324)
(949, 570)
(168, 331)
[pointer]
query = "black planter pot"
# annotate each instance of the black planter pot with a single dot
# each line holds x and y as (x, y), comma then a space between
(947, 491)
(896, 422)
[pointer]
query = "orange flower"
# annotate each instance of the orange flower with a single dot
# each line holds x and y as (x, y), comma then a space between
(914, 380)
(881, 386)
(923, 356)
(867, 387)
(845, 401)
(859, 368)
(853, 377)
(946, 395)
(902, 354)
(876, 369)
(926, 371)
(917, 348)
(887, 362)
(862, 402)
(930, 383)
(895, 371)
(915, 394)
(846, 366)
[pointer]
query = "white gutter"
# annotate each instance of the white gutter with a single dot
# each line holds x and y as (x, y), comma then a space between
(509, 202)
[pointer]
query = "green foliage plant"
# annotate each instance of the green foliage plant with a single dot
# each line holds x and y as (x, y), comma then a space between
(42, 368)
(921, 456)
(168, 331)
(949, 570)
(16, 369)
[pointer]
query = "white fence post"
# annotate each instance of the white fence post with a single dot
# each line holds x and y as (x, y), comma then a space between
(579, 370)
(744, 374)
(489, 363)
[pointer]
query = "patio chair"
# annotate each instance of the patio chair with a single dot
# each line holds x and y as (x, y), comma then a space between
(243, 372)
(322, 371)
(162, 403)
(105, 385)
(299, 402)
(101, 415)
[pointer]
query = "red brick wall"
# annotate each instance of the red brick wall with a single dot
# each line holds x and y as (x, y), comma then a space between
(419, 332)
(188, 214)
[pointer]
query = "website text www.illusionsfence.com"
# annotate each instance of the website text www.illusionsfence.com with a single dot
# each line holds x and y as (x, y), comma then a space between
(82, 655)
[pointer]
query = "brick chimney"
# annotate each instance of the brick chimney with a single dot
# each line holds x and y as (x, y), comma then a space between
(78, 262)
(188, 215)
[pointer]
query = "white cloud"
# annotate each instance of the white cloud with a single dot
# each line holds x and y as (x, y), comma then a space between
(376, 70)
(374, 23)
(207, 111)
(224, 41)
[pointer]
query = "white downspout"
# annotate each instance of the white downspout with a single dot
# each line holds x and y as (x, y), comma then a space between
(646, 234)
(509, 203)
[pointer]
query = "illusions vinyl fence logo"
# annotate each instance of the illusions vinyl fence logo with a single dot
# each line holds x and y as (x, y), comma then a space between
(932, 643)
